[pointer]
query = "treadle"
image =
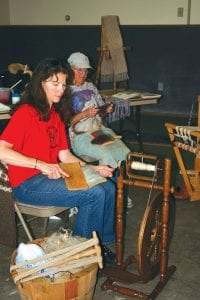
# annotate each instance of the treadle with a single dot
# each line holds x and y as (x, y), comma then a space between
(117, 274)
(110, 284)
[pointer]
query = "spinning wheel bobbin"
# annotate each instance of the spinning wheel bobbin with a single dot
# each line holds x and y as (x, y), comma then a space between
(143, 166)
(154, 234)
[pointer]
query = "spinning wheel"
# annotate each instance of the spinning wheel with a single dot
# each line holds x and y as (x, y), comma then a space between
(155, 231)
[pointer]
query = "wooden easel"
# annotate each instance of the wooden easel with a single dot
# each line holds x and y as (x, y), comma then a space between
(186, 138)
(105, 51)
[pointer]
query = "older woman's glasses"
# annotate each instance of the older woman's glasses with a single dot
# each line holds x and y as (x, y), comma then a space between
(81, 70)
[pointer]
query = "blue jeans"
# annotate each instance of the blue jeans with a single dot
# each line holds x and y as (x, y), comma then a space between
(96, 205)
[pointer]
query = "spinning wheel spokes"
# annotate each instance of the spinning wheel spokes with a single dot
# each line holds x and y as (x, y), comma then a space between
(149, 239)
(154, 241)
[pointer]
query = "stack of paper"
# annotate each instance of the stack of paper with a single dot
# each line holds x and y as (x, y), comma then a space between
(126, 95)
(4, 108)
(146, 95)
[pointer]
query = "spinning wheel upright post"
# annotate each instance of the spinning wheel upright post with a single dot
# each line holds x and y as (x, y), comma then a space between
(155, 229)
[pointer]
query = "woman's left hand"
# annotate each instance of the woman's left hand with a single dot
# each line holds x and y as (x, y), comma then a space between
(110, 108)
(104, 171)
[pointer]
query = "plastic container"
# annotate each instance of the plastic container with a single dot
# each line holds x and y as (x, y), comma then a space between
(15, 98)
(4, 95)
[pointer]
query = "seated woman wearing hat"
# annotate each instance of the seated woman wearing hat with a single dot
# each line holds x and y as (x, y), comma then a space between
(87, 108)
(88, 135)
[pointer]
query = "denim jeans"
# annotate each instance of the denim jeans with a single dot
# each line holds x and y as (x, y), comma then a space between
(96, 205)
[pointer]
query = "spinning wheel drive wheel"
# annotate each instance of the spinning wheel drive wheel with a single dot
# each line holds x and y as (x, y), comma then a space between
(150, 234)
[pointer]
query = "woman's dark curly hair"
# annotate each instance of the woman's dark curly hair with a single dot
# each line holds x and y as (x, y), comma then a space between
(35, 96)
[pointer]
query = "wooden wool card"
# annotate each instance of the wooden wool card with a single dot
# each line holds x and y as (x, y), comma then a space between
(77, 180)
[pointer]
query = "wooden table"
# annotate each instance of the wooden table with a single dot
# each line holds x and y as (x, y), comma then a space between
(4, 115)
(143, 98)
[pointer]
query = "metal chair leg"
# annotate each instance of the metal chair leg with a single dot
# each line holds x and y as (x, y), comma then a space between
(23, 222)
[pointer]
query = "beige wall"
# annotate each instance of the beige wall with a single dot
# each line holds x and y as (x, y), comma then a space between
(89, 12)
(195, 12)
(4, 12)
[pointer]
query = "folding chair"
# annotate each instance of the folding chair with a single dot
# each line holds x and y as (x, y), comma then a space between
(21, 209)
(35, 211)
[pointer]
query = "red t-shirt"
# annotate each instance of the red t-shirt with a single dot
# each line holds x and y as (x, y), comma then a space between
(35, 138)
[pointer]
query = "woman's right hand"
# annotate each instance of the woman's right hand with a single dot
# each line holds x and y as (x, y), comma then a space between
(104, 171)
(52, 171)
(88, 113)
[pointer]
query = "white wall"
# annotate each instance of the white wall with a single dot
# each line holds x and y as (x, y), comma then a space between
(4, 12)
(89, 12)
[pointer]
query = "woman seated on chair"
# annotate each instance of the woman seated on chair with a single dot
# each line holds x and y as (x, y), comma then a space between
(33, 144)
(88, 135)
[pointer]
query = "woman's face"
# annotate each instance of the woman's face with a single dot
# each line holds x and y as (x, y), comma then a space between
(80, 76)
(54, 87)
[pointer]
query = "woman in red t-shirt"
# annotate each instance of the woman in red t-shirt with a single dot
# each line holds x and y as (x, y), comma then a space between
(33, 144)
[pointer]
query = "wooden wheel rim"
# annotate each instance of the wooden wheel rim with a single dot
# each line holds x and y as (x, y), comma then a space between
(149, 239)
